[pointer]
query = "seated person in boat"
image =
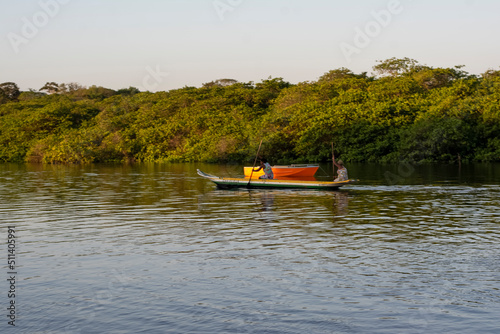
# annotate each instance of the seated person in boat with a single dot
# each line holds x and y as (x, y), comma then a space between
(342, 171)
(268, 171)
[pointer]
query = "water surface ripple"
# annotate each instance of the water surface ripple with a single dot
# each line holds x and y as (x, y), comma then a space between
(156, 249)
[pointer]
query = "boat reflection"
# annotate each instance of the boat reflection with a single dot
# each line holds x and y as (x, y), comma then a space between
(272, 205)
(337, 202)
(276, 204)
(266, 206)
(340, 203)
(267, 200)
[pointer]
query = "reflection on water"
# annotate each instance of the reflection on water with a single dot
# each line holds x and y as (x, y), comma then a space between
(340, 203)
(156, 248)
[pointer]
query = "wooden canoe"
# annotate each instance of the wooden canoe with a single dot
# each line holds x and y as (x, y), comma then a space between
(286, 171)
(227, 182)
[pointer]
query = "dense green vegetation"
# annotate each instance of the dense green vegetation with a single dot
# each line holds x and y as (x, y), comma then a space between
(408, 112)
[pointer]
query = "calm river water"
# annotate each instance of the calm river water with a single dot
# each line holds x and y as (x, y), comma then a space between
(158, 249)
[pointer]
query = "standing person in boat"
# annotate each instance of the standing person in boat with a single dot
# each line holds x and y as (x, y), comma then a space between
(342, 171)
(268, 171)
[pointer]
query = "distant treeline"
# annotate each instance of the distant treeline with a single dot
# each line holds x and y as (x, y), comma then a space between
(407, 112)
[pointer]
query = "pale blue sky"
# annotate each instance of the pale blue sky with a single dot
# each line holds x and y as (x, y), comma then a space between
(118, 44)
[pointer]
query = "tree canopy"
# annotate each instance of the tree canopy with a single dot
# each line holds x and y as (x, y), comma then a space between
(9, 91)
(409, 112)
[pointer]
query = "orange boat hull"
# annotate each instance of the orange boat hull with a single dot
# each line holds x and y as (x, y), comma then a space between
(285, 171)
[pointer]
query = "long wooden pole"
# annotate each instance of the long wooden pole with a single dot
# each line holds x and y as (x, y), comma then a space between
(254, 162)
(333, 163)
